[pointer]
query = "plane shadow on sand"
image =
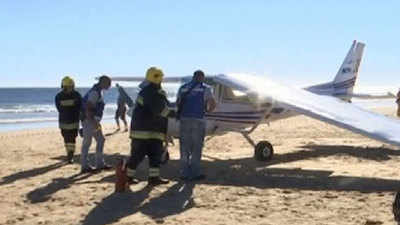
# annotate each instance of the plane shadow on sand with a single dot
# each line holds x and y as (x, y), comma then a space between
(244, 172)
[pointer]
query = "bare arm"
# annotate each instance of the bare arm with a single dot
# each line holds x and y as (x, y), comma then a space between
(210, 101)
(211, 104)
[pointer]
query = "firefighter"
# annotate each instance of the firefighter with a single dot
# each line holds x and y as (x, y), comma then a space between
(149, 127)
(68, 103)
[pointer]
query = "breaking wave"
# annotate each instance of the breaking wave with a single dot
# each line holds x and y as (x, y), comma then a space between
(38, 120)
(39, 108)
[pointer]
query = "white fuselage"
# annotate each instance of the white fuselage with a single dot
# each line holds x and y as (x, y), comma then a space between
(238, 113)
(234, 116)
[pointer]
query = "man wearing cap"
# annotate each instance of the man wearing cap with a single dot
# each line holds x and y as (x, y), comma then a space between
(149, 127)
(92, 113)
(193, 100)
(68, 104)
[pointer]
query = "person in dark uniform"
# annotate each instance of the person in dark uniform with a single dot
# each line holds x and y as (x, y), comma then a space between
(149, 127)
(68, 103)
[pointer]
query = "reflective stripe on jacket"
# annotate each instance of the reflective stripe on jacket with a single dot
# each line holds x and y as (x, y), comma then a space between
(68, 106)
(149, 120)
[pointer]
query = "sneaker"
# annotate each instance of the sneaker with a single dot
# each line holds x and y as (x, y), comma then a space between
(154, 181)
(199, 177)
(88, 169)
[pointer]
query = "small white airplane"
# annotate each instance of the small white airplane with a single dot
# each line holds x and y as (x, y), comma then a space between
(245, 101)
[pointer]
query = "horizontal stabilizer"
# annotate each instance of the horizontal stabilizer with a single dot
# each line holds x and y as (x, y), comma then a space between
(367, 96)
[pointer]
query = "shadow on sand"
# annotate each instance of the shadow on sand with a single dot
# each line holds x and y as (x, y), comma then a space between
(116, 206)
(244, 172)
(31, 173)
(45, 169)
(43, 194)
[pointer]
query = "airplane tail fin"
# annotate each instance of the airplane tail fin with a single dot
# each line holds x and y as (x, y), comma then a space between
(347, 75)
(345, 79)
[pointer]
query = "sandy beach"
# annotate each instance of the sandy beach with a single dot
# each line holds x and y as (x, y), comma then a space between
(320, 174)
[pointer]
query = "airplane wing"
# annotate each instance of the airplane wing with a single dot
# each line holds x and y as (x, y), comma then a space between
(324, 108)
(141, 78)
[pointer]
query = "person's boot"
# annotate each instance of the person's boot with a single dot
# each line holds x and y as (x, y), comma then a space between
(154, 181)
(70, 157)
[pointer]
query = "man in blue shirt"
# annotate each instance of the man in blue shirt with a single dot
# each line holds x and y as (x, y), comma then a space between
(92, 113)
(193, 100)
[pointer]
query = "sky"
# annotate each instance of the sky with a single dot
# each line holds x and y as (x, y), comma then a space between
(294, 42)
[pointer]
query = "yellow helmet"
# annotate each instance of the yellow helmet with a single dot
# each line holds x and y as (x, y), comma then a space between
(154, 75)
(67, 82)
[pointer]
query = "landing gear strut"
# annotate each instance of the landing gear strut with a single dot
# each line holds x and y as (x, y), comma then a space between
(263, 150)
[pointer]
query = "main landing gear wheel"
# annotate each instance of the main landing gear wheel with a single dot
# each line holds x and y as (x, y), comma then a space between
(263, 151)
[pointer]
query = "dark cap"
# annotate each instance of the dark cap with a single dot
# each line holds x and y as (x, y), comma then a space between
(198, 73)
(103, 78)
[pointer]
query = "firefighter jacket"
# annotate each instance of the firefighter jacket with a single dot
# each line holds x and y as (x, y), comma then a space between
(69, 107)
(149, 120)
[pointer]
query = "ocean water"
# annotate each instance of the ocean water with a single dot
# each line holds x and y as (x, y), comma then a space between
(24, 108)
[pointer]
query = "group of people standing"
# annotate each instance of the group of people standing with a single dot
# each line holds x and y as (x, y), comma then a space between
(88, 110)
(149, 124)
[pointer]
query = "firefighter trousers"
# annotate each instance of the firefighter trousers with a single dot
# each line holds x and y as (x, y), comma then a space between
(152, 148)
(69, 136)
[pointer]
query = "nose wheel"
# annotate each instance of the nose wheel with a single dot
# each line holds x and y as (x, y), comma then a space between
(263, 151)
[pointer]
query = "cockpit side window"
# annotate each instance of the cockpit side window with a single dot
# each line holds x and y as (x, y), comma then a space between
(230, 95)
(214, 86)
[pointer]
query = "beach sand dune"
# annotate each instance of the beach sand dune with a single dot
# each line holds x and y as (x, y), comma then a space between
(320, 174)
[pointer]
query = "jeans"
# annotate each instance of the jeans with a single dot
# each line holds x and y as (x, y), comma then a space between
(191, 138)
(90, 131)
